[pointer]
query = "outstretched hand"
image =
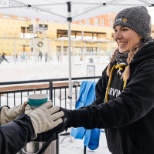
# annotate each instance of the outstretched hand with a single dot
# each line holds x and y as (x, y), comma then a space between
(8, 114)
(45, 117)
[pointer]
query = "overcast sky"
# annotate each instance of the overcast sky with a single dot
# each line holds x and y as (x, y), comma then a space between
(151, 12)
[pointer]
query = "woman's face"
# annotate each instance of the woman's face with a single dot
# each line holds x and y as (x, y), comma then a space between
(126, 38)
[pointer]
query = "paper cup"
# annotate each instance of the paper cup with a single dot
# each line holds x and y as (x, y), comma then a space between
(37, 99)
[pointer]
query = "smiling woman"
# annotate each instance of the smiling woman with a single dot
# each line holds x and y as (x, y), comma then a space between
(126, 38)
(124, 104)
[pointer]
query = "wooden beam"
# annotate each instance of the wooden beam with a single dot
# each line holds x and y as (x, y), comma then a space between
(32, 86)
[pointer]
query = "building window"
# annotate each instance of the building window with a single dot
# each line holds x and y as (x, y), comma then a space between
(96, 21)
(103, 22)
(25, 34)
(74, 34)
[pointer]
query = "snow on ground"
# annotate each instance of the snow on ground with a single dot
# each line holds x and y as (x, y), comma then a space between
(69, 145)
(41, 70)
(30, 70)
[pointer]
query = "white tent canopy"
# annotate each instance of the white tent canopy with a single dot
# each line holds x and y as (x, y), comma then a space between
(67, 11)
(57, 10)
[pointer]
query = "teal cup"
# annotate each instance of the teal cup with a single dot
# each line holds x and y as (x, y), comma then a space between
(36, 100)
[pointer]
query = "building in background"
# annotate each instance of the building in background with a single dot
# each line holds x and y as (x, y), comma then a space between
(23, 36)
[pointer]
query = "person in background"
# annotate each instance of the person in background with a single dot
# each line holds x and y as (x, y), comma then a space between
(40, 56)
(46, 56)
(124, 104)
(17, 128)
(2, 58)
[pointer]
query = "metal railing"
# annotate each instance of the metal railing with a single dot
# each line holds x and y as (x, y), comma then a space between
(16, 92)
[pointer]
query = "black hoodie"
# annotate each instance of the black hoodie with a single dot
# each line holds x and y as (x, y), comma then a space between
(128, 118)
(15, 134)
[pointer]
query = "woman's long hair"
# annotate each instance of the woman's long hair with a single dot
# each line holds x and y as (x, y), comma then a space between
(126, 73)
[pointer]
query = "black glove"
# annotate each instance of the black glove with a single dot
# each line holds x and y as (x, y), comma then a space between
(67, 117)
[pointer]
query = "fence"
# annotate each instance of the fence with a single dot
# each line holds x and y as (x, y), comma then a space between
(15, 93)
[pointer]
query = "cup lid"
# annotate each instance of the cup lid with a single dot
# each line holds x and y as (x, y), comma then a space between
(37, 99)
(37, 96)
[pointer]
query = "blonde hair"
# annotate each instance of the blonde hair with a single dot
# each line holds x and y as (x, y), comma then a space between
(126, 73)
(131, 54)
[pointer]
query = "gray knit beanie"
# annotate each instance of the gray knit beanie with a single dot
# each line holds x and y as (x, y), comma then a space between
(135, 18)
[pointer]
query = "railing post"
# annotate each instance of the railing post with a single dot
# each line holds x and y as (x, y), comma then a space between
(50, 89)
(84, 150)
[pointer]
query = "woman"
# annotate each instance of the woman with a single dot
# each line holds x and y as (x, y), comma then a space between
(125, 93)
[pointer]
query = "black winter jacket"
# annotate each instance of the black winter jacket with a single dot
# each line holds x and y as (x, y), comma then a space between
(128, 118)
(15, 135)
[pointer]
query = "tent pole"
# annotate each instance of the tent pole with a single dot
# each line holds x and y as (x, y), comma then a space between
(15, 54)
(69, 64)
(69, 19)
